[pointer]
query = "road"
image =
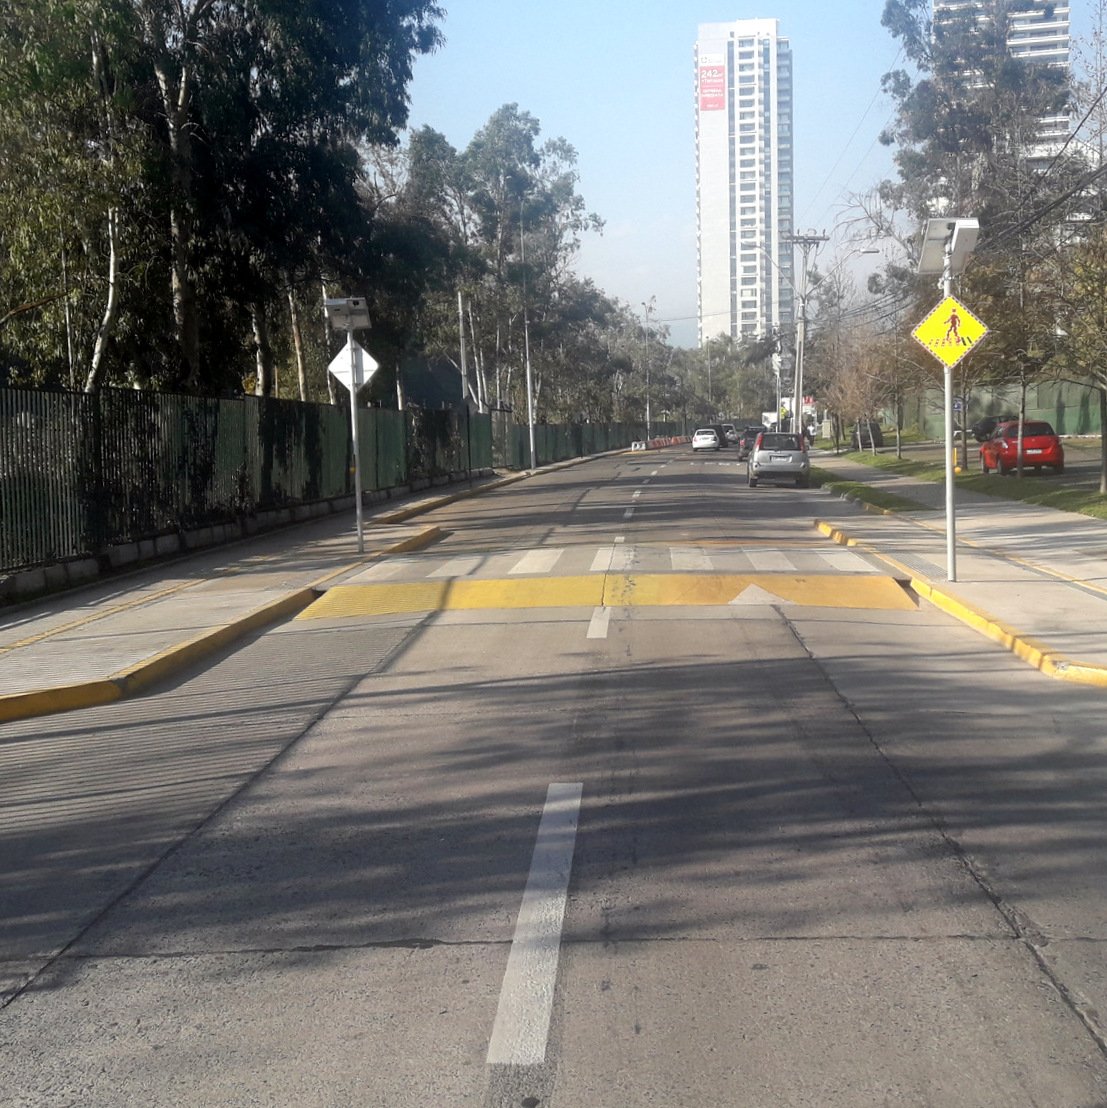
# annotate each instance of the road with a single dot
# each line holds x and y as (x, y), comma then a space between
(632, 790)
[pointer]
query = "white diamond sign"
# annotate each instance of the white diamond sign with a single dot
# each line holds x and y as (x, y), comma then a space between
(356, 370)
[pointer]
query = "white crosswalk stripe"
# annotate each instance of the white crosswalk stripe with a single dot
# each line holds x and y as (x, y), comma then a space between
(690, 559)
(537, 561)
(771, 561)
(458, 567)
(623, 557)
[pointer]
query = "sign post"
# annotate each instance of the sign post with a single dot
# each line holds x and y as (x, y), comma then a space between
(354, 367)
(949, 332)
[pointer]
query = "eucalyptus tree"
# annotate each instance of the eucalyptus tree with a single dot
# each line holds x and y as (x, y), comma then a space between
(508, 207)
(71, 140)
(282, 89)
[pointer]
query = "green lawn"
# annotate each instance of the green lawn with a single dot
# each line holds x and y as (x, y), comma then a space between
(858, 490)
(1044, 491)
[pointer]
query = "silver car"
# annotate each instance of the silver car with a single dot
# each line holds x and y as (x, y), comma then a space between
(779, 456)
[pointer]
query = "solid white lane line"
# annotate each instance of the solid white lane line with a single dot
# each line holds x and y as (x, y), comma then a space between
(770, 561)
(458, 567)
(537, 561)
(597, 627)
(689, 558)
(522, 1024)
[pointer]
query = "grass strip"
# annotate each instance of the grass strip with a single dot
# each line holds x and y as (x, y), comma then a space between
(1041, 491)
(858, 490)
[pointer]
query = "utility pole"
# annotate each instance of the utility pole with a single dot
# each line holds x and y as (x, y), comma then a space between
(807, 243)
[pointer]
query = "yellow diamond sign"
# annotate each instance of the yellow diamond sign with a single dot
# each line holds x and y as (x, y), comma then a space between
(950, 331)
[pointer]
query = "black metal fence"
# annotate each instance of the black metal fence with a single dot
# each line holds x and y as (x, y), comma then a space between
(81, 472)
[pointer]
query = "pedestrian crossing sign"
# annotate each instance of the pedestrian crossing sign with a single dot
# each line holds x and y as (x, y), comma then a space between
(950, 331)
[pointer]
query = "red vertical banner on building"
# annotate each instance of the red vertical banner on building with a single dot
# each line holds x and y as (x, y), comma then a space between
(712, 85)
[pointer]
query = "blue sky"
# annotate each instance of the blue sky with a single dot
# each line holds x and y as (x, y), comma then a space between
(615, 79)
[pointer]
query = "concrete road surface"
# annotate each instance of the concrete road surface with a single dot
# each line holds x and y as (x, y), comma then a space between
(543, 815)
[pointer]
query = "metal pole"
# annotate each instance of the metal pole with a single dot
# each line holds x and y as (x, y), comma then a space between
(951, 507)
(801, 335)
(526, 337)
(354, 382)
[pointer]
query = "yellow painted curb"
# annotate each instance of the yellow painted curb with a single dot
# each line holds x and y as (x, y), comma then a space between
(148, 672)
(1050, 662)
(61, 698)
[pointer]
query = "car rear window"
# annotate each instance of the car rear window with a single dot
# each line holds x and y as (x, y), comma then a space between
(1028, 429)
(781, 442)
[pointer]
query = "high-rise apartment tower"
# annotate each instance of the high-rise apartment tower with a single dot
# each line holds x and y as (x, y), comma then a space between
(1038, 34)
(744, 179)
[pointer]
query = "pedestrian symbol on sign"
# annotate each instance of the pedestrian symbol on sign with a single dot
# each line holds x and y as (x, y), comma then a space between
(950, 331)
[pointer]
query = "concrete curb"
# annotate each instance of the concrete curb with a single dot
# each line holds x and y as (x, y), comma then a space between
(1044, 659)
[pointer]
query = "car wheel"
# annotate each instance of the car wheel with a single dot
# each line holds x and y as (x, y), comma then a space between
(751, 481)
(1059, 469)
(983, 465)
(1001, 469)
(801, 482)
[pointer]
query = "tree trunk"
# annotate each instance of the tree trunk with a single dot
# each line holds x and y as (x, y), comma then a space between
(263, 352)
(111, 309)
(1103, 441)
(176, 95)
(298, 342)
(332, 391)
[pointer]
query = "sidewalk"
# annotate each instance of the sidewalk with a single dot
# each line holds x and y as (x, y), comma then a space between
(107, 641)
(1032, 579)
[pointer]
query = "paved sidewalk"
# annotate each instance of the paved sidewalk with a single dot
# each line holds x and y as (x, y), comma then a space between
(109, 640)
(1033, 579)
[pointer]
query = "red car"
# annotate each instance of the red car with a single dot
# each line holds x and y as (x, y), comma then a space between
(1040, 447)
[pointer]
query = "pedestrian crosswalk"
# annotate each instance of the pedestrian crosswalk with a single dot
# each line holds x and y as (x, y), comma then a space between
(618, 557)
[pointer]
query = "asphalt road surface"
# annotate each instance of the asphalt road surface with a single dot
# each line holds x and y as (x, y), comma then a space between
(633, 790)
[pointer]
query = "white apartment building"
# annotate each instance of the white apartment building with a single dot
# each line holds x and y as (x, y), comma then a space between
(744, 204)
(1039, 34)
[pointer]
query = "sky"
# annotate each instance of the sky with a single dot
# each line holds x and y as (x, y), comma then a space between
(616, 80)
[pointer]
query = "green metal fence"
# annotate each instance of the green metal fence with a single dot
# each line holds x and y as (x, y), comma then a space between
(1073, 409)
(81, 472)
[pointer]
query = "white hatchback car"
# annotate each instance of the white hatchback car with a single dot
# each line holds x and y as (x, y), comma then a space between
(779, 456)
(706, 438)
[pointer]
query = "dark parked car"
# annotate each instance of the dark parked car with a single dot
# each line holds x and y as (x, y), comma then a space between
(983, 429)
(866, 435)
(748, 438)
